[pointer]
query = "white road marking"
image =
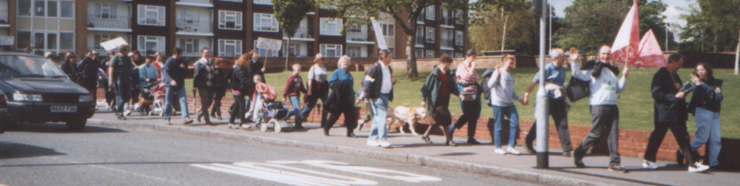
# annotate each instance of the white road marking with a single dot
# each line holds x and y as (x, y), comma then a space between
(378, 172)
(121, 171)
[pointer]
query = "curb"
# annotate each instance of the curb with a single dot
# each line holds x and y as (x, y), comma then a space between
(419, 160)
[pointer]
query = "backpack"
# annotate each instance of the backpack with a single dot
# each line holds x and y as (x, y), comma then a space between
(484, 83)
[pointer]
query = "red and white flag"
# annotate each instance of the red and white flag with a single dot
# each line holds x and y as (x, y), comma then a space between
(625, 47)
(650, 54)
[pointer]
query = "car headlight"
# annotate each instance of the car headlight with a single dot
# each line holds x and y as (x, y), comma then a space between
(27, 97)
(86, 98)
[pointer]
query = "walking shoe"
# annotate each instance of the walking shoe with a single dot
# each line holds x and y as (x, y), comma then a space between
(351, 135)
(359, 129)
(511, 150)
(213, 115)
(122, 117)
(127, 112)
(567, 154)
(326, 132)
(649, 165)
(451, 143)
(187, 121)
(167, 122)
(578, 161)
(426, 139)
(208, 123)
(698, 167)
(617, 168)
(372, 143)
(473, 141)
(299, 127)
(499, 151)
(530, 148)
(384, 144)
(680, 158)
(231, 125)
(244, 126)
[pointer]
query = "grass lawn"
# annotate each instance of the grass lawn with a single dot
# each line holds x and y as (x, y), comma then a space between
(635, 103)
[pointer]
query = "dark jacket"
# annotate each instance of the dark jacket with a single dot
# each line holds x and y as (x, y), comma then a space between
(222, 80)
(240, 80)
(172, 71)
(204, 76)
(705, 97)
(70, 70)
(256, 68)
(664, 93)
(430, 89)
(338, 100)
(88, 72)
(372, 88)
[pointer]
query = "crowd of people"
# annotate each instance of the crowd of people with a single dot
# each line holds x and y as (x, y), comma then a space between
(128, 73)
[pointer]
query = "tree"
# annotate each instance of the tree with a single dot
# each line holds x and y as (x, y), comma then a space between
(711, 25)
(522, 31)
(289, 14)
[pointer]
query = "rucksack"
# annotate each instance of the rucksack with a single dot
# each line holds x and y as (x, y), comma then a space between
(484, 83)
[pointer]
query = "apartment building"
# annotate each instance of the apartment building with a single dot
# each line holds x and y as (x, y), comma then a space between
(227, 27)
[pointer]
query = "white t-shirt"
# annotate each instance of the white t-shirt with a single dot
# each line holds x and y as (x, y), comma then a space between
(386, 85)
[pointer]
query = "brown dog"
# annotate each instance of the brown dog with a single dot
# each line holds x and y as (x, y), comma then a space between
(409, 116)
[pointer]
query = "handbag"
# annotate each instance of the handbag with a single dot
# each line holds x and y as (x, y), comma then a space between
(577, 89)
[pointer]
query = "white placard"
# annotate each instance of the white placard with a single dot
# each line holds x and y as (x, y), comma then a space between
(6, 40)
(379, 35)
(113, 44)
(269, 44)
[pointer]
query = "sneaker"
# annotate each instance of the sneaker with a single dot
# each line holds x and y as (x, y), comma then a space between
(231, 125)
(167, 122)
(617, 168)
(698, 167)
(187, 121)
(127, 112)
(511, 150)
(579, 163)
(567, 154)
(472, 141)
(530, 148)
(680, 158)
(649, 165)
(385, 144)
(499, 151)
(372, 143)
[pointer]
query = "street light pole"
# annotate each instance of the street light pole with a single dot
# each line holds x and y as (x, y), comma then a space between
(541, 104)
(666, 36)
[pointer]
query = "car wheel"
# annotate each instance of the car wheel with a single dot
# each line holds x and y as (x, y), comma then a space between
(76, 123)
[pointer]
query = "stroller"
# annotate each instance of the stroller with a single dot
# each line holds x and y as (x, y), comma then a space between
(145, 105)
(267, 112)
(157, 92)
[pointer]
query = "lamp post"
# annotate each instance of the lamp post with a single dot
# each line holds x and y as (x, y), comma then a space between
(542, 104)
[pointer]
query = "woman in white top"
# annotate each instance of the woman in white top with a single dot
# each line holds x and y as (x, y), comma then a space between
(318, 87)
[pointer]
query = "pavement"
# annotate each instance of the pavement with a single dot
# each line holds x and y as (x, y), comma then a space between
(410, 149)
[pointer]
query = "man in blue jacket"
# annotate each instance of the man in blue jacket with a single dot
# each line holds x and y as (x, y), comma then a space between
(173, 75)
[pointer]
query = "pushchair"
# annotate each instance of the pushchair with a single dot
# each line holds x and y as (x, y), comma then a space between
(158, 94)
(145, 105)
(268, 113)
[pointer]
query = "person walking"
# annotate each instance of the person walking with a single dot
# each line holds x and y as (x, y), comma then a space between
(292, 91)
(219, 89)
(173, 75)
(341, 100)
(502, 101)
(435, 95)
(88, 73)
(603, 88)
(110, 96)
(705, 105)
(318, 87)
(205, 81)
(119, 67)
(378, 85)
(467, 85)
(557, 102)
(69, 66)
(134, 75)
(239, 81)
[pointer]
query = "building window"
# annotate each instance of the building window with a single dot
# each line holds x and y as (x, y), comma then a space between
(294, 50)
(97, 39)
(189, 46)
(354, 51)
(265, 52)
(420, 35)
(229, 48)
(233, 0)
(458, 55)
(263, 2)
(229, 20)
(445, 16)
(419, 53)
(39, 8)
(66, 41)
(333, 27)
(430, 35)
(265, 23)
(52, 9)
(191, 16)
(459, 38)
(430, 12)
(148, 45)
(151, 15)
(68, 9)
(331, 51)
(24, 8)
(458, 16)
(446, 37)
(420, 19)
(104, 11)
(354, 27)
(430, 53)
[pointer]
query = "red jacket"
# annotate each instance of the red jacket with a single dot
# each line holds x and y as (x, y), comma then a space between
(294, 86)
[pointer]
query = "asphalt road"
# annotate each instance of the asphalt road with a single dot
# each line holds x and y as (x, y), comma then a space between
(52, 155)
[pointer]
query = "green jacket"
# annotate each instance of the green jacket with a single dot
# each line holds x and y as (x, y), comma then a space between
(431, 86)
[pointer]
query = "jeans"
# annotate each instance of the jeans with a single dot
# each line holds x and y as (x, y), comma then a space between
(560, 117)
(123, 95)
(170, 97)
(707, 128)
(218, 94)
(238, 110)
(295, 101)
(471, 113)
(311, 102)
(498, 116)
(380, 108)
(206, 98)
(679, 132)
(603, 117)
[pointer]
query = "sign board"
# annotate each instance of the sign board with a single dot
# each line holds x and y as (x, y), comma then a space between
(7, 40)
(113, 44)
(379, 35)
(269, 44)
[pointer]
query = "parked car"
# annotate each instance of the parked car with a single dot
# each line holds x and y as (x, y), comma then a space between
(4, 117)
(37, 91)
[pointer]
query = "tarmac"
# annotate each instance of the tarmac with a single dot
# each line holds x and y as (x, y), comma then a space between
(410, 149)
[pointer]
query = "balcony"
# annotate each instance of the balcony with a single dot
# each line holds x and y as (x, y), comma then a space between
(198, 3)
(109, 23)
(194, 28)
(300, 35)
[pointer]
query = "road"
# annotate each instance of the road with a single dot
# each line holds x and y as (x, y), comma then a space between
(52, 155)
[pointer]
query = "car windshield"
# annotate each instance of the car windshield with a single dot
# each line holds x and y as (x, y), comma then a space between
(28, 66)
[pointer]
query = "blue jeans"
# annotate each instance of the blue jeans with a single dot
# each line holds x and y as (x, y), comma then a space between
(170, 97)
(707, 129)
(380, 108)
(311, 102)
(498, 115)
(295, 101)
(123, 94)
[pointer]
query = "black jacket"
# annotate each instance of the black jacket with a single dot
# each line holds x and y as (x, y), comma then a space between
(70, 70)
(256, 68)
(88, 72)
(338, 99)
(667, 107)
(240, 80)
(705, 97)
(222, 80)
(172, 71)
(372, 88)
(204, 76)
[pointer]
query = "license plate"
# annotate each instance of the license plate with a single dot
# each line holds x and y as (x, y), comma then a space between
(63, 108)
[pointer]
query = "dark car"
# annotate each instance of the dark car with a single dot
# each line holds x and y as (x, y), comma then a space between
(4, 117)
(37, 91)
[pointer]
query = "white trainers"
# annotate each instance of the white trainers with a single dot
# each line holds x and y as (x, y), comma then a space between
(372, 143)
(385, 144)
(649, 165)
(698, 167)
(511, 150)
(499, 151)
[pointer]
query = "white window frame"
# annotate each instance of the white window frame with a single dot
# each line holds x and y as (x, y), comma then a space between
(158, 40)
(102, 38)
(458, 17)
(295, 47)
(159, 12)
(325, 23)
(354, 27)
(445, 16)
(430, 54)
(223, 15)
(419, 53)
(190, 16)
(223, 43)
(429, 35)
(429, 10)
(263, 52)
(194, 45)
(420, 35)
(60, 10)
(262, 2)
(459, 38)
(233, 0)
(354, 51)
(324, 48)
(260, 19)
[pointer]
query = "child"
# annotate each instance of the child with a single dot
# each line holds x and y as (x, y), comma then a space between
(293, 89)
(502, 99)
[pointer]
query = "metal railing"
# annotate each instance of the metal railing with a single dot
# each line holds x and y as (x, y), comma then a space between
(301, 33)
(196, 1)
(194, 26)
(106, 21)
(357, 36)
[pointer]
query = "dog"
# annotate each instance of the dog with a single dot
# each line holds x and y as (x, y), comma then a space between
(409, 116)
